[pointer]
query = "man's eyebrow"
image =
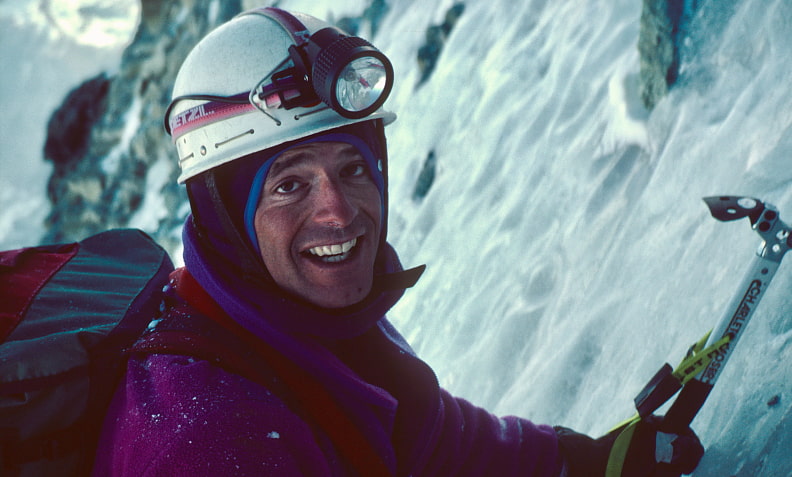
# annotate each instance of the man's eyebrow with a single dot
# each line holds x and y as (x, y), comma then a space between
(283, 163)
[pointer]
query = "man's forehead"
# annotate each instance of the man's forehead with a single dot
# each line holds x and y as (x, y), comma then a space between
(308, 152)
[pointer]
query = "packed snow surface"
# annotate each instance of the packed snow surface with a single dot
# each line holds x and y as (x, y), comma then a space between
(569, 254)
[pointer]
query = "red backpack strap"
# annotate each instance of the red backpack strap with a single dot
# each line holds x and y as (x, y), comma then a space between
(309, 393)
(23, 273)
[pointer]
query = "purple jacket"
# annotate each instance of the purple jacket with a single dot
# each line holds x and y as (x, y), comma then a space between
(180, 416)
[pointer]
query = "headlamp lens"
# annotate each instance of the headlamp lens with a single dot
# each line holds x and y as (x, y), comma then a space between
(361, 83)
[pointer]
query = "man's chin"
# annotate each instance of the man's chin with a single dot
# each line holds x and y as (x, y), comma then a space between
(337, 296)
(335, 284)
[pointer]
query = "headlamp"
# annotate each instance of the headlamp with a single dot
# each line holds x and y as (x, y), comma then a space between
(347, 73)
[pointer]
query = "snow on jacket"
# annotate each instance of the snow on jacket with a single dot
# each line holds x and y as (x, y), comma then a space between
(181, 416)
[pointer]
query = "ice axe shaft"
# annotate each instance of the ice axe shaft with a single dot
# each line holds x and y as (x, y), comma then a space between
(733, 323)
(776, 241)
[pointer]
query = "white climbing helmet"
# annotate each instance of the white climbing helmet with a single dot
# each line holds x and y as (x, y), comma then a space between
(268, 77)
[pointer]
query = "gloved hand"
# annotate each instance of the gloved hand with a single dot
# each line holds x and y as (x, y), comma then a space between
(651, 452)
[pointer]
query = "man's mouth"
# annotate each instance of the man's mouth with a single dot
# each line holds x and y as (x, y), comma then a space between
(333, 253)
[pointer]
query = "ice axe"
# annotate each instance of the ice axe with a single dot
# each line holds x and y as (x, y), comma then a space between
(695, 377)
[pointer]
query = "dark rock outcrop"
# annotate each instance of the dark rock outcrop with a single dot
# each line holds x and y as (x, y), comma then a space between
(69, 128)
(436, 36)
(659, 47)
(372, 15)
(104, 148)
(425, 178)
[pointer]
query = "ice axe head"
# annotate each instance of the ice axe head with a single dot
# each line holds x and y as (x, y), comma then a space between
(764, 219)
(726, 208)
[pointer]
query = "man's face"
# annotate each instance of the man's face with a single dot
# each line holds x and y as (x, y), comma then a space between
(318, 222)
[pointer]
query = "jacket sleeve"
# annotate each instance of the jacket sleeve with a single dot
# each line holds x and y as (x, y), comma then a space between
(473, 442)
(465, 440)
(177, 416)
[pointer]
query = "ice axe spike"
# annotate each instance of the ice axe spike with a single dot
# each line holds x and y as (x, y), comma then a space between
(776, 242)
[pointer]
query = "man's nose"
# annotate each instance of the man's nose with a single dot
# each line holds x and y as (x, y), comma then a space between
(332, 205)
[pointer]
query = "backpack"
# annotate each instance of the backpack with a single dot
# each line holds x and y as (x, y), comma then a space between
(68, 312)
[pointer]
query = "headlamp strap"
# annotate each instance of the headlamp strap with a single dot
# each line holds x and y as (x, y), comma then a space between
(215, 109)
(288, 88)
(293, 26)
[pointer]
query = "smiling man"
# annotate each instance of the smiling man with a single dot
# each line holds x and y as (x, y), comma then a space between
(273, 355)
(317, 223)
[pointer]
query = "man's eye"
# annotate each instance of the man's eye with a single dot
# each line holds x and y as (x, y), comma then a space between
(287, 187)
(357, 169)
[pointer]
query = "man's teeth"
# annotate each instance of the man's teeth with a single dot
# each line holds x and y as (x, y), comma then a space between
(331, 250)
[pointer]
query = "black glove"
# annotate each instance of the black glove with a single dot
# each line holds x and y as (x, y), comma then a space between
(651, 453)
